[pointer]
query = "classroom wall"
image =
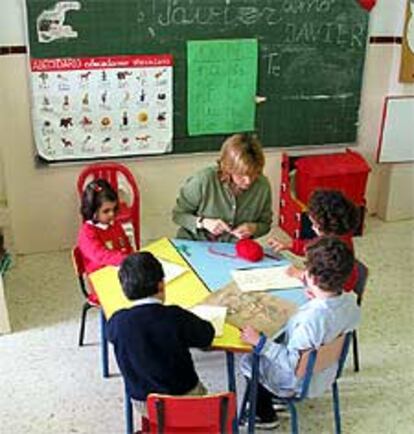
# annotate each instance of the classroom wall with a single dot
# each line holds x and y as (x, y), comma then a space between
(42, 203)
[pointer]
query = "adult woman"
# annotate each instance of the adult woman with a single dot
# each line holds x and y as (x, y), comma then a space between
(229, 201)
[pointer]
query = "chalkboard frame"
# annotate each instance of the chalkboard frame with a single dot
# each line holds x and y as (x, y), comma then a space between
(301, 130)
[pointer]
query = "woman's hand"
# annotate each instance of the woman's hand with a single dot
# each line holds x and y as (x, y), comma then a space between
(250, 335)
(245, 230)
(215, 226)
(277, 245)
(293, 271)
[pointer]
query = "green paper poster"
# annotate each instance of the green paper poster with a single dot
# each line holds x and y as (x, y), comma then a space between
(222, 76)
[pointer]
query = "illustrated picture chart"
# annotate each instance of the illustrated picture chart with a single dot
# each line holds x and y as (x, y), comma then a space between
(90, 107)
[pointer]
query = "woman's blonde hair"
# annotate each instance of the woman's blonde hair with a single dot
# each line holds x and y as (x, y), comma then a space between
(241, 154)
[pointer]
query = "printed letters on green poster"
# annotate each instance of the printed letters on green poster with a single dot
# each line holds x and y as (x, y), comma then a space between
(222, 80)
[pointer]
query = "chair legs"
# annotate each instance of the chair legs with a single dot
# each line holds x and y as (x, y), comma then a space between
(243, 406)
(85, 308)
(250, 396)
(337, 412)
(355, 350)
(104, 341)
(293, 417)
(292, 409)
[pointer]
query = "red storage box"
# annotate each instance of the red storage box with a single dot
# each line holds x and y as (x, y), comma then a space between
(347, 172)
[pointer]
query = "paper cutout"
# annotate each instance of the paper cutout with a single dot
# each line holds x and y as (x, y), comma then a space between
(50, 24)
(222, 77)
(263, 279)
(216, 315)
(171, 270)
(263, 311)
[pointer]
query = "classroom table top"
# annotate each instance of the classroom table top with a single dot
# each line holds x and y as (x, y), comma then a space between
(208, 268)
(213, 263)
(186, 291)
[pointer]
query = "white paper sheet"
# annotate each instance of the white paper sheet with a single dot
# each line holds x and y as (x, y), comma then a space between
(171, 270)
(214, 314)
(262, 279)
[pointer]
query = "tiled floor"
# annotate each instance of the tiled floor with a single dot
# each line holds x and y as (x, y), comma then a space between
(49, 385)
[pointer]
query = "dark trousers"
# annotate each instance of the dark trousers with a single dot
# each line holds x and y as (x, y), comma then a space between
(264, 408)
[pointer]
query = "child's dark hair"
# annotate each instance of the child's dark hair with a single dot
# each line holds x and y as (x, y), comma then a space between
(95, 194)
(329, 261)
(140, 275)
(333, 212)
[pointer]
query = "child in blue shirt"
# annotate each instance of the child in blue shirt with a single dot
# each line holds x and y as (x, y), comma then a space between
(327, 315)
(151, 340)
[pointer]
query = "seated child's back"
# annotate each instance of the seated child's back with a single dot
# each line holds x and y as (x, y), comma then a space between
(151, 340)
(327, 315)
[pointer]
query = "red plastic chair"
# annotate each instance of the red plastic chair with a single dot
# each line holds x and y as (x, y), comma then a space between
(91, 301)
(213, 414)
(123, 182)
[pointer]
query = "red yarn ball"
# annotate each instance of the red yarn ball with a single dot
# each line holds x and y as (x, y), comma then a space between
(250, 250)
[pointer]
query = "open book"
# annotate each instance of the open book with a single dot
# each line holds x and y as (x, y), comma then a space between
(263, 279)
(214, 314)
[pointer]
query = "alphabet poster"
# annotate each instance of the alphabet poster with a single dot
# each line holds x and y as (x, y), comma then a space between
(93, 107)
(407, 52)
(222, 81)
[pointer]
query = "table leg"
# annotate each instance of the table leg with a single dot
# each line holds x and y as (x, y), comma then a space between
(231, 378)
(253, 393)
(104, 347)
(129, 416)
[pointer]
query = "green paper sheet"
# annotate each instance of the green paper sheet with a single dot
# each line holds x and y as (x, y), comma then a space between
(222, 77)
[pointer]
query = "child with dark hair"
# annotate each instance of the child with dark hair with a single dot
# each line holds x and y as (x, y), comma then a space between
(101, 238)
(327, 315)
(151, 340)
(330, 213)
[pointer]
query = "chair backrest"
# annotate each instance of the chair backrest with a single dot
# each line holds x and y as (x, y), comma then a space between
(316, 360)
(213, 414)
(123, 182)
(79, 267)
(361, 281)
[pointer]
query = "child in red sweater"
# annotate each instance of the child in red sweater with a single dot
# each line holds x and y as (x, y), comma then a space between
(101, 238)
(332, 214)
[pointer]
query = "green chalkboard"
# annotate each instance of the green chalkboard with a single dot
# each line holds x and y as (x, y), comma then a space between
(311, 56)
